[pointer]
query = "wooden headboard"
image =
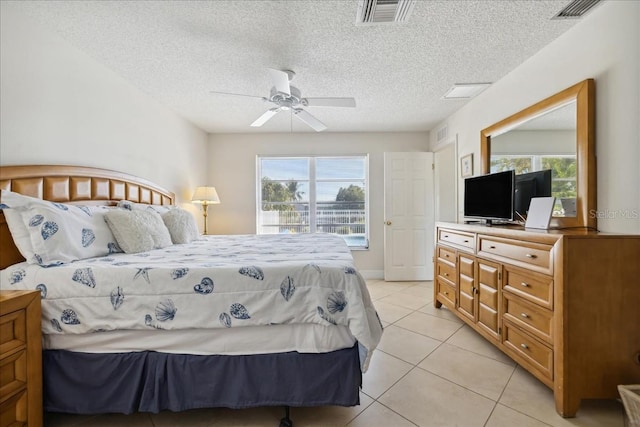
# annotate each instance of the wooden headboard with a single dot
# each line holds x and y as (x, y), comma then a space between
(74, 185)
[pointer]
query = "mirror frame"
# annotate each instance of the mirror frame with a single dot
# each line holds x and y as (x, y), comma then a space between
(584, 95)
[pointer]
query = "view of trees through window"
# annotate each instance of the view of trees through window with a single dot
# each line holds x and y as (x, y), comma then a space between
(314, 194)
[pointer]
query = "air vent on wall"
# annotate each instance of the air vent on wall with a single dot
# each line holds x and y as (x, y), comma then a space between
(576, 9)
(442, 133)
(381, 11)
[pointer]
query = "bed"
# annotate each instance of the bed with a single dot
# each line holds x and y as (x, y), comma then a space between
(222, 321)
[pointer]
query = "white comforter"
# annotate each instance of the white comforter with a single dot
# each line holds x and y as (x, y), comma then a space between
(216, 282)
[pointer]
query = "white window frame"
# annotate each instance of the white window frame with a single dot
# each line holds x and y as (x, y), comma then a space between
(312, 190)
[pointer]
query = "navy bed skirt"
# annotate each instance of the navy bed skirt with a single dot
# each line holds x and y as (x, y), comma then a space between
(95, 383)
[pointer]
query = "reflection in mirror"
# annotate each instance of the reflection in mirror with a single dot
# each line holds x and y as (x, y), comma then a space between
(546, 142)
(575, 181)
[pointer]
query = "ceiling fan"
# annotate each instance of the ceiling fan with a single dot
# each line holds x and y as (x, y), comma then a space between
(288, 98)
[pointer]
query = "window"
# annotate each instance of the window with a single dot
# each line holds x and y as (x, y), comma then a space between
(314, 195)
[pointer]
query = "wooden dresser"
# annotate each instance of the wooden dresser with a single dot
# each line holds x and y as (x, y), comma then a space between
(20, 359)
(565, 305)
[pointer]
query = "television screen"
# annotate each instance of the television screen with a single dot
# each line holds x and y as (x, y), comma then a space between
(490, 196)
(529, 185)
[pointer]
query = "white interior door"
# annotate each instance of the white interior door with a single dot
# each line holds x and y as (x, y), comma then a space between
(409, 216)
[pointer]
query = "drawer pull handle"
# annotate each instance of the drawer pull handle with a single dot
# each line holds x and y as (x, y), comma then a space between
(446, 274)
(446, 293)
(446, 235)
(525, 284)
(492, 247)
(525, 315)
(466, 241)
(526, 347)
(532, 256)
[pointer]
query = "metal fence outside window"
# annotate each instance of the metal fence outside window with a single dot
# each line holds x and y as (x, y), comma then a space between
(343, 222)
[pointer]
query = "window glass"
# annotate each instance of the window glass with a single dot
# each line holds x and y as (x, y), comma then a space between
(337, 168)
(314, 195)
(285, 168)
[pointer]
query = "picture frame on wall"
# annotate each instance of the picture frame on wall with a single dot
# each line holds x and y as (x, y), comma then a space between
(466, 165)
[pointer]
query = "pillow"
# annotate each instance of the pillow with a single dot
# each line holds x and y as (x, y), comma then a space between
(181, 225)
(12, 205)
(64, 233)
(49, 233)
(133, 206)
(138, 230)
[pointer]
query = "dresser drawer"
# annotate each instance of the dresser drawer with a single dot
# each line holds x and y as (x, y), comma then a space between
(20, 359)
(532, 318)
(13, 373)
(535, 256)
(458, 238)
(13, 411)
(446, 271)
(446, 254)
(446, 294)
(13, 331)
(532, 351)
(534, 287)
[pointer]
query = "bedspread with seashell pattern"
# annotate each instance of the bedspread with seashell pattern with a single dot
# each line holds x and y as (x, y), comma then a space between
(215, 282)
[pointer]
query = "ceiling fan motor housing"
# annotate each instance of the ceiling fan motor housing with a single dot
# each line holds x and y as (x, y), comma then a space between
(286, 101)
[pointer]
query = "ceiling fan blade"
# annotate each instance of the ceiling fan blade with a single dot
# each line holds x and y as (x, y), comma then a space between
(280, 80)
(303, 115)
(265, 117)
(330, 102)
(235, 94)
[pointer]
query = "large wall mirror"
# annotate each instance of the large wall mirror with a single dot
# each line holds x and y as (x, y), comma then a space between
(556, 134)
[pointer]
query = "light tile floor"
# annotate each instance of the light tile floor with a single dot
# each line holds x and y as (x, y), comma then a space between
(429, 370)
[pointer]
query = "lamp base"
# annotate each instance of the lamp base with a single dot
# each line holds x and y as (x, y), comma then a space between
(205, 208)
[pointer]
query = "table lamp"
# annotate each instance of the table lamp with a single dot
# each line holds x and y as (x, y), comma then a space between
(205, 196)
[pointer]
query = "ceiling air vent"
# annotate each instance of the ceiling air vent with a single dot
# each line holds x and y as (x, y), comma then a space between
(576, 9)
(384, 11)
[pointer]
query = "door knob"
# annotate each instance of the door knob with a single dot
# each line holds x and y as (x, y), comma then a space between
(388, 222)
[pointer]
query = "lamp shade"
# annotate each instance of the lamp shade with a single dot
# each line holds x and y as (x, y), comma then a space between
(205, 195)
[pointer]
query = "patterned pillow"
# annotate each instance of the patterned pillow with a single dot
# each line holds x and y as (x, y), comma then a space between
(12, 205)
(138, 230)
(64, 233)
(182, 226)
(133, 206)
(49, 233)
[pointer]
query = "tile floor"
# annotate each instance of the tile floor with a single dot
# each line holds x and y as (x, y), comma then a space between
(429, 370)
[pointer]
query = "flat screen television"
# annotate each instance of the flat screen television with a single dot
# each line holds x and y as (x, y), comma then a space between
(490, 197)
(529, 185)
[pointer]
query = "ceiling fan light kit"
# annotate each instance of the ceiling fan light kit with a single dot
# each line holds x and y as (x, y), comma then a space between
(289, 98)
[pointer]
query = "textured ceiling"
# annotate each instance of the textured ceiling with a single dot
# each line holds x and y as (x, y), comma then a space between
(177, 52)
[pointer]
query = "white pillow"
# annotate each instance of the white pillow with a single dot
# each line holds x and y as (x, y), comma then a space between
(133, 206)
(12, 206)
(49, 233)
(138, 230)
(64, 233)
(181, 225)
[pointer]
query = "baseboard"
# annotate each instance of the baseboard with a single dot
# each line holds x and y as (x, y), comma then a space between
(372, 274)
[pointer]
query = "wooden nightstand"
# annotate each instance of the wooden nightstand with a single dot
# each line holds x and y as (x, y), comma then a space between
(20, 359)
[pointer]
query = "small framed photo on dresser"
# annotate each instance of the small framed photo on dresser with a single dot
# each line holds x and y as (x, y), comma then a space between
(466, 165)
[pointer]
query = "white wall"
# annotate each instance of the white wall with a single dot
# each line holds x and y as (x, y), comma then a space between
(605, 46)
(232, 165)
(59, 106)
